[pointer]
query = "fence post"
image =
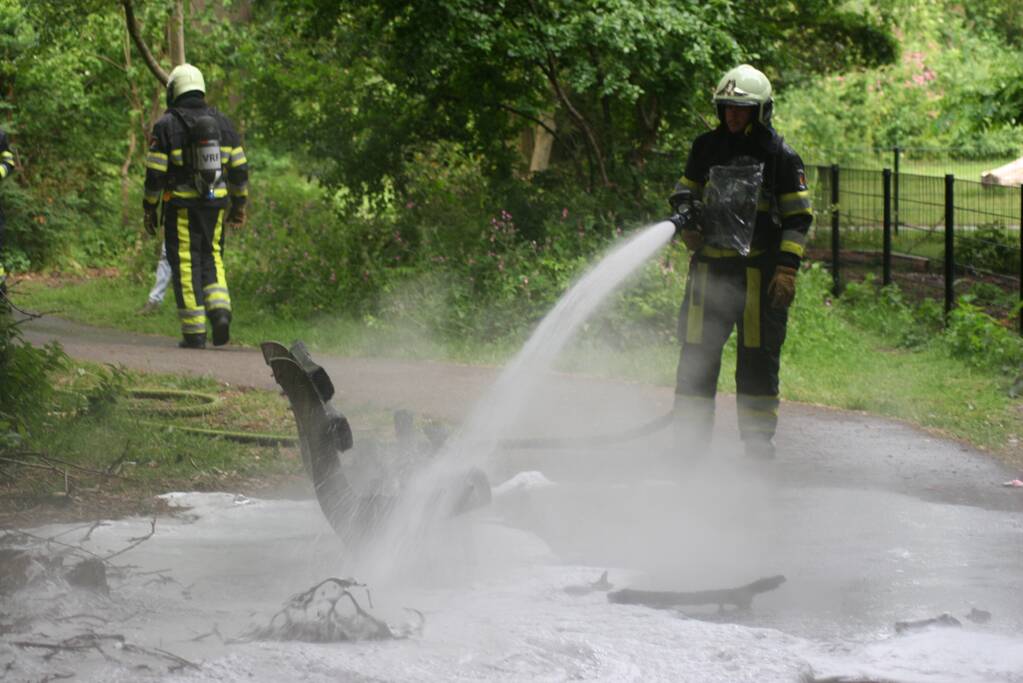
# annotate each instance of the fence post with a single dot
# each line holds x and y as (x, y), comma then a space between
(897, 154)
(886, 257)
(949, 242)
(835, 261)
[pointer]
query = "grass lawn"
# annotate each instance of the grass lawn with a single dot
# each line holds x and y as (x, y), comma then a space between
(100, 452)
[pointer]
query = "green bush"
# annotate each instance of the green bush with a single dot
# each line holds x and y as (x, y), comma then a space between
(25, 390)
(978, 339)
(988, 248)
(938, 95)
(450, 253)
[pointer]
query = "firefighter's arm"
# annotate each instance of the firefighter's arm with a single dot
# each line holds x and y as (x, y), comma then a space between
(6, 157)
(237, 173)
(685, 201)
(796, 219)
(795, 208)
(157, 164)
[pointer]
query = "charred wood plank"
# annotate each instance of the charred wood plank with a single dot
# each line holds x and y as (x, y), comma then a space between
(741, 597)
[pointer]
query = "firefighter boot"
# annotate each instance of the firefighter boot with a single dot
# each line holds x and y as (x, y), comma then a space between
(220, 321)
(193, 341)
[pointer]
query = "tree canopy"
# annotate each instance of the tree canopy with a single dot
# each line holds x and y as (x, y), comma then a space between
(360, 84)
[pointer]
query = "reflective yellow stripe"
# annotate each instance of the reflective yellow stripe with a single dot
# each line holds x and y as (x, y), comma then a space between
(751, 313)
(3, 171)
(177, 158)
(189, 324)
(156, 161)
(151, 197)
(218, 259)
(795, 203)
(7, 155)
(192, 322)
(792, 247)
(238, 190)
(238, 157)
(694, 317)
(757, 414)
(182, 193)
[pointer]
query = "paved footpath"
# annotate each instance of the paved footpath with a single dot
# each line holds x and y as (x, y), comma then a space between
(870, 519)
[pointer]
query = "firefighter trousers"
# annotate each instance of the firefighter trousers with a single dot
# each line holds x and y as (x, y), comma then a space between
(723, 294)
(194, 238)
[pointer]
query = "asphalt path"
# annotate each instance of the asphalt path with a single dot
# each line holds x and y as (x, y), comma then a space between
(872, 520)
(850, 449)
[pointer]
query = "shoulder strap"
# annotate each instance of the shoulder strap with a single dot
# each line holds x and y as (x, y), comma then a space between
(180, 117)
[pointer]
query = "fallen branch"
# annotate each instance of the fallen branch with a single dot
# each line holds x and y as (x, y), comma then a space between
(134, 542)
(94, 641)
(80, 468)
(741, 597)
(69, 546)
(36, 466)
(72, 617)
(313, 616)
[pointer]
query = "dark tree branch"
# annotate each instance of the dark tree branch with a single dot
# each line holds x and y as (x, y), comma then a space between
(136, 36)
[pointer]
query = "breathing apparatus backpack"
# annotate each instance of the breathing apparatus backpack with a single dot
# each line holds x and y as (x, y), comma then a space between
(202, 155)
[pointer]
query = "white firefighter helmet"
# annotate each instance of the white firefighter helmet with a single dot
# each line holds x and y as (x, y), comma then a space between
(745, 86)
(184, 78)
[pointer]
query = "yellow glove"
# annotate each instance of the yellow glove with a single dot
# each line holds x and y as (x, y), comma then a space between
(782, 289)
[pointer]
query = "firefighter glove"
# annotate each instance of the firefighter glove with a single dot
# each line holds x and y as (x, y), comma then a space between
(782, 289)
(149, 219)
(236, 215)
(691, 238)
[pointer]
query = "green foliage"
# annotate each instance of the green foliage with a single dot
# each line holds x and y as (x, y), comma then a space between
(937, 95)
(25, 390)
(978, 339)
(989, 248)
(970, 335)
(616, 78)
(448, 257)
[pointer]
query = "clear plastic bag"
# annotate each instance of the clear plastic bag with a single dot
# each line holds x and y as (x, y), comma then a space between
(730, 204)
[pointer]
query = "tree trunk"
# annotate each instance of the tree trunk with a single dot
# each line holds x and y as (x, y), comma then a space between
(176, 33)
(136, 107)
(543, 143)
(593, 147)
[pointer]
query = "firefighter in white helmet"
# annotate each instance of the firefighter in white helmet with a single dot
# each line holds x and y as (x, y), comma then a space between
(196, 166)
(743, 210)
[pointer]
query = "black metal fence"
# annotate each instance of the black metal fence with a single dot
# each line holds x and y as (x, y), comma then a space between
(936, 236)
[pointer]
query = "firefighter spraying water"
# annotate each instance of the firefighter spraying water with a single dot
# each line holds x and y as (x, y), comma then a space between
(743, 209)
